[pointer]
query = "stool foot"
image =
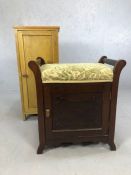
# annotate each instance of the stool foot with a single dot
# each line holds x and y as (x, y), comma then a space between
(112, 146)
(40, 149)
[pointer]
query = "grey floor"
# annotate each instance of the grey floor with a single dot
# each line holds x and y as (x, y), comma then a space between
(19, 141)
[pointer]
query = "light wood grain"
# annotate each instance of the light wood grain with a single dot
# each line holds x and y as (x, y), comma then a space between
(37, 28)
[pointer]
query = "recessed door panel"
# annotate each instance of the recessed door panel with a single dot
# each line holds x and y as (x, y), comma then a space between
(75, 111)
(34, 44)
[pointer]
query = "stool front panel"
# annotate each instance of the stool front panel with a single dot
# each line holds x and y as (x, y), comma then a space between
(77, 110)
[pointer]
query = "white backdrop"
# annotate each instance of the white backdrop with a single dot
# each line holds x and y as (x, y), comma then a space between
(89, 29)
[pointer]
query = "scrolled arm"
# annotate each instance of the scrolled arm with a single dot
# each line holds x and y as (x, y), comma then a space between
(106, 60)
(40, 61)
(118, 65)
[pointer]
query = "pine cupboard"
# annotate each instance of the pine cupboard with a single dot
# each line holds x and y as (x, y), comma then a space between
(33, 42)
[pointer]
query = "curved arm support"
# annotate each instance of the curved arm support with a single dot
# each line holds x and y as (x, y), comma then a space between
(34, 66)
(118, 66)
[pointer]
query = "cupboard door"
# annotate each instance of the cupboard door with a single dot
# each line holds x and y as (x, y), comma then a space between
(33, 44)
(77, 110)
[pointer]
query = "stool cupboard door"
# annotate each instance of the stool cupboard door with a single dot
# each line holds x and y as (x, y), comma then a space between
(33, 42)
(76, 112)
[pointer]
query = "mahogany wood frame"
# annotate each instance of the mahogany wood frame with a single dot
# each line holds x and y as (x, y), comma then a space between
(43, 95)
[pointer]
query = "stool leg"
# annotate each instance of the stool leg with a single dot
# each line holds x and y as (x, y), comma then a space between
(40, 149)
(112, 146)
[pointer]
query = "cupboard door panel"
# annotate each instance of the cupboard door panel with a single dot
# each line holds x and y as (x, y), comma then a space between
(34, 44)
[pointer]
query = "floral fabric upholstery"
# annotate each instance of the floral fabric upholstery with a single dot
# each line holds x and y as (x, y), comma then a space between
(76, 73)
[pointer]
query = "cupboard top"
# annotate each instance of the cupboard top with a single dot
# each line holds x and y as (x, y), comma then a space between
(36, 28)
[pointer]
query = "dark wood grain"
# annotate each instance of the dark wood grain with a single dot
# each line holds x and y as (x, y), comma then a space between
(114, 92)
(118, 66)
(106, 60)
(40, 61)
(40, 103)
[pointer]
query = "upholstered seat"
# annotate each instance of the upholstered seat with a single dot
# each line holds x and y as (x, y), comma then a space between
(76, 73)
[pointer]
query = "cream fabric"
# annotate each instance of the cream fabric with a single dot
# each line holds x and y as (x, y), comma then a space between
(73, 73)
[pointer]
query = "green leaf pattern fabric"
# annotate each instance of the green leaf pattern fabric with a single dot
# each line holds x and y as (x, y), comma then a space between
(78, 72)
